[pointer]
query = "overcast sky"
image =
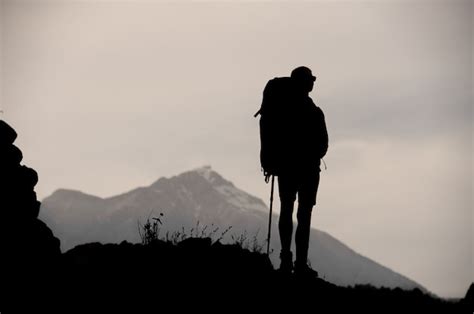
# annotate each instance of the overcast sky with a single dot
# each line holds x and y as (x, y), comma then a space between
(107, 96)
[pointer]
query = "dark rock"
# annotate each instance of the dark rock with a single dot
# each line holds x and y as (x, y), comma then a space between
(7, 134)
(29, 251)
(468, 301)
(29, 176)
(24, 207)
(41, 242)
(34, 210)
(11, 155)
(18, 182)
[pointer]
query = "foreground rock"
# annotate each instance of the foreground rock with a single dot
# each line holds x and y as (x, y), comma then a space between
(197, 274)
(28, 249)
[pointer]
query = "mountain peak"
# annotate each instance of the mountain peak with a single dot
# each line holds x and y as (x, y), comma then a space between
(205, 171)
(209, 175)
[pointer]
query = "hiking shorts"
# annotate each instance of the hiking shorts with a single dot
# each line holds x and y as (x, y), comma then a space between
(302, 183)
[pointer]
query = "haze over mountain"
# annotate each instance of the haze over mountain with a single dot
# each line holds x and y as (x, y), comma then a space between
(201, 198)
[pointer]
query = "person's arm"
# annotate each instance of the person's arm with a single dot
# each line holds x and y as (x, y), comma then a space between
(324, 137)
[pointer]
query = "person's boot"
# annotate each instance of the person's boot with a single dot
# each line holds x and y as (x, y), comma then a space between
(286, 264)
(303, 270)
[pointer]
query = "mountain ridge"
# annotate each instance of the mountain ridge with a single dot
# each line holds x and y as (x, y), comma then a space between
(202, 195)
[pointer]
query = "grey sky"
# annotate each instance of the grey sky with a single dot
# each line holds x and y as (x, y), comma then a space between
(107, 96)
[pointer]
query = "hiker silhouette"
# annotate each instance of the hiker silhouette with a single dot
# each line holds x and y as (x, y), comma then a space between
(294, 139)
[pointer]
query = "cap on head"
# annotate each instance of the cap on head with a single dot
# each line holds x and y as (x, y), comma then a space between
(302, 73)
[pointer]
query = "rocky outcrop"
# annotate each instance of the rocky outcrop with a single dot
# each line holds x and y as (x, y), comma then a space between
(468, 300)
(29, 250)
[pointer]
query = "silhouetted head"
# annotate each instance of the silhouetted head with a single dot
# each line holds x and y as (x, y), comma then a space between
(303, 78)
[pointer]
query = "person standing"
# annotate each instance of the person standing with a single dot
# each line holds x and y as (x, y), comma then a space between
(294, 139)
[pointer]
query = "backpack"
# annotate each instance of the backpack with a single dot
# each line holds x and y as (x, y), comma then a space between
(275, 109)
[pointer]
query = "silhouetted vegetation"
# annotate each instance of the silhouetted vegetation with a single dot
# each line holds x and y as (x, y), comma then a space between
(150, 232)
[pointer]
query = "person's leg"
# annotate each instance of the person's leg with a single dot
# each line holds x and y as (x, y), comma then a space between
(302, 233)
(287, 191)
(285, 225)
(306, 200)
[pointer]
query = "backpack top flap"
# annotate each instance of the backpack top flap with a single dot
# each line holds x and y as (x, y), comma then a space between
(276, 95)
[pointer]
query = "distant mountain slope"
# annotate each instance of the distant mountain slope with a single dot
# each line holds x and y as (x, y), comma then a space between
(201, 196)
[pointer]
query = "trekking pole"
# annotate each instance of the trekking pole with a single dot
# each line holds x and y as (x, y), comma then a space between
(270, 218)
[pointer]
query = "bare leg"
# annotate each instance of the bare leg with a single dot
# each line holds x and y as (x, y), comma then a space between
(285, 226)
(302, 233)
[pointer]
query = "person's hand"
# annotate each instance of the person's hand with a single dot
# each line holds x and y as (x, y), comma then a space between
(267, 177)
